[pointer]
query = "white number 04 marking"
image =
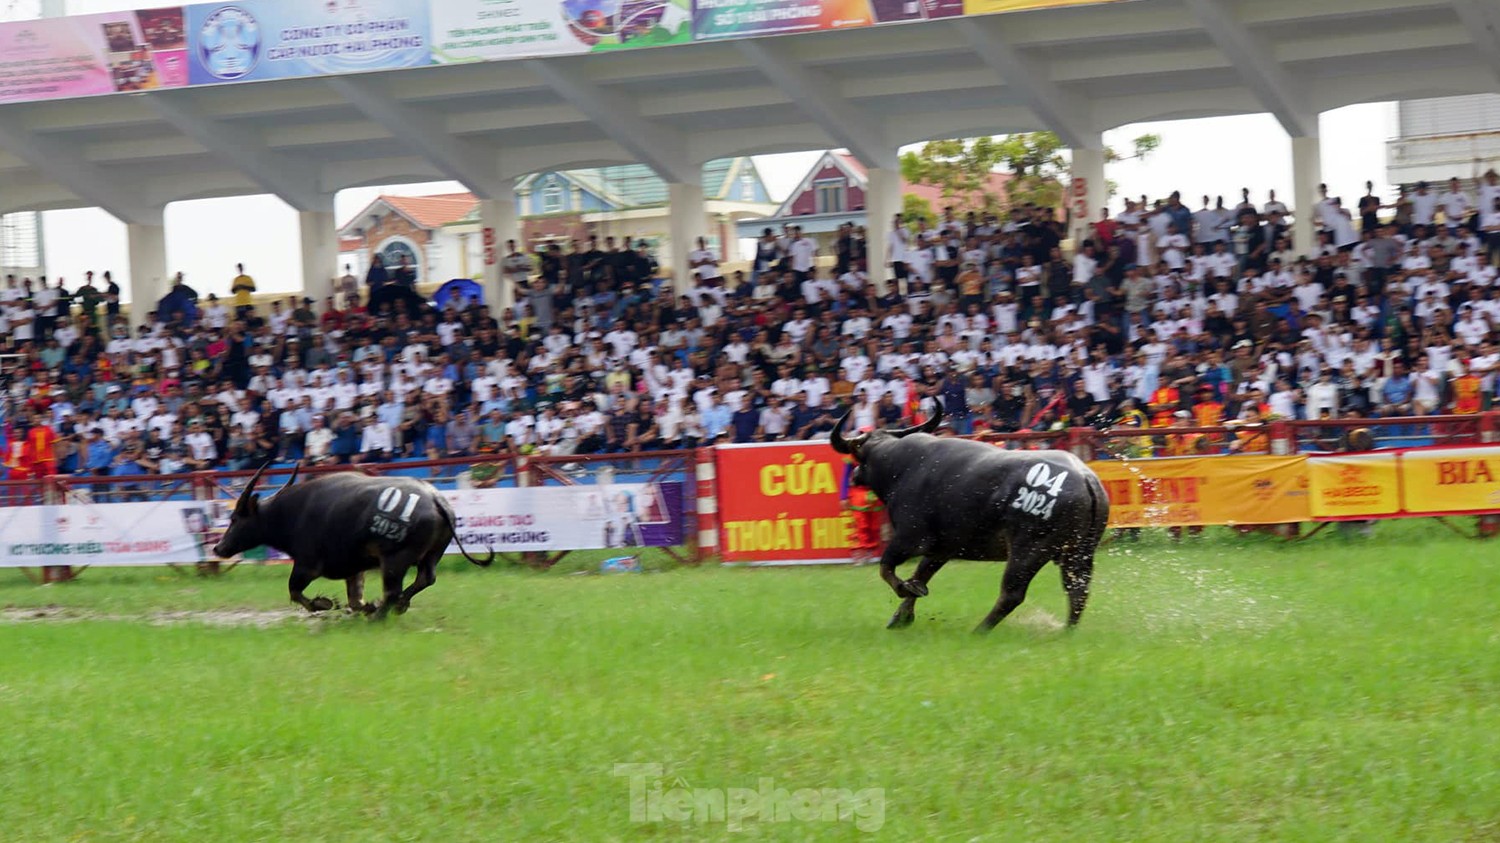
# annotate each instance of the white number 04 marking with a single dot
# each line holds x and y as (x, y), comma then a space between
(1041, 497)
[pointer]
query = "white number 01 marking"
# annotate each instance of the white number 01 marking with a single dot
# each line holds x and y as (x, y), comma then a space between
(391, 498)
(1041, 498)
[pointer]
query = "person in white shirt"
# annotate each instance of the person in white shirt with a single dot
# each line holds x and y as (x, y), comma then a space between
(215, 315)
(1456, 205)
(1084, 264)
(898, 243)
(1482, 273)
(898, 323)
(804, 253)
(1424, 205)
(1341, 227)
(1173, 247)
(1471, 327)
(515, 266)
(521, 430)
(1323, 210)
(22, 320)
(1206, 224)
(375, 441)
(1275, 206)
(705, 264)
(201, 449)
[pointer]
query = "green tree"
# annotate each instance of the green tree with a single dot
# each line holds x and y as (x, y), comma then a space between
(915, 209)
(1035, 160)
(960, 168)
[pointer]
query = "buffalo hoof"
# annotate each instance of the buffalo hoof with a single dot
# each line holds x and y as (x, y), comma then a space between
(320, 604)
(912, 588)
(902, 619)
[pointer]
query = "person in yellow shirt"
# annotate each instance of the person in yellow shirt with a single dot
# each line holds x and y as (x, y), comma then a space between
(243, 287)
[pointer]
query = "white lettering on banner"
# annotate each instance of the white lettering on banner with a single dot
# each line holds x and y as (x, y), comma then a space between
(543, 518)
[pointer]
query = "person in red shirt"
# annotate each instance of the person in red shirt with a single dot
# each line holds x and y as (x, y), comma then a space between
(39, 451)
(1105, 229)
(1165, 401)
(16, 467)
(1208, 411)
(1467, 395)
(868, 512)
(333, 319)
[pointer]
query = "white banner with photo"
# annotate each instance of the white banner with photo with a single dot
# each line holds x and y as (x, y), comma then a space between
(544, 518)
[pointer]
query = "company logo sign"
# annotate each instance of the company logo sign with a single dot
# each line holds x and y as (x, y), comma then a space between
(229, 43)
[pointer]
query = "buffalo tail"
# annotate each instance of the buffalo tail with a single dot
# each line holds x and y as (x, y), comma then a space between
(448, 516)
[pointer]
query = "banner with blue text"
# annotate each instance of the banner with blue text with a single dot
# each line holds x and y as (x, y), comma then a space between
(283, 39)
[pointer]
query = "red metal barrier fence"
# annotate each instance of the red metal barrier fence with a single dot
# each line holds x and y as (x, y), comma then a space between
(697, 468)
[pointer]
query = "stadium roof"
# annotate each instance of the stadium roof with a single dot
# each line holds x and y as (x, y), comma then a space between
(1078, 71)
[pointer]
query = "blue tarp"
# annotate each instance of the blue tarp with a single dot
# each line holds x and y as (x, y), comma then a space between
(460, 292)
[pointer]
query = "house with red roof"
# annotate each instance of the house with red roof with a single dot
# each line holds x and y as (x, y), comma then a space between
(833, 192)
(441, 233)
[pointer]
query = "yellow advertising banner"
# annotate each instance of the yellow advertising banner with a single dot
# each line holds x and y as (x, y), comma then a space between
(1205, 490)
(991, 7)
(1351, 486)
(1451, 480)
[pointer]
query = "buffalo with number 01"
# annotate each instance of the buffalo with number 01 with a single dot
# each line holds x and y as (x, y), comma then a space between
(953, 498)
(339, 526)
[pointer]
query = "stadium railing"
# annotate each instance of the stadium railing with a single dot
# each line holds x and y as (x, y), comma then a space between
(1279, 437)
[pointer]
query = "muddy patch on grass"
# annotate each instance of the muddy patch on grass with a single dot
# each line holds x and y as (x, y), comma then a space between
(257, 618)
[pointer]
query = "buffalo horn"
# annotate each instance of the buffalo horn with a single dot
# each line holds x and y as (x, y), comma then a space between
(925, 427)
(296, 467)
(244, 500)
(836, 438)
(842, 445)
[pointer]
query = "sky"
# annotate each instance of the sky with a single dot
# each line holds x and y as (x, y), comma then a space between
(1213, 156)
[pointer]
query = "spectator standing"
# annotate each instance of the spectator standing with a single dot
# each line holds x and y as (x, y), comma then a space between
(242, 287)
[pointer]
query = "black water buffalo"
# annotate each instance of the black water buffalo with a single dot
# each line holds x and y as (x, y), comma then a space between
(341, 525)
(959, 499)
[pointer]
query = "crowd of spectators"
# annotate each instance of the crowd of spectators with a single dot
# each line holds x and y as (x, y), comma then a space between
(1165, 315)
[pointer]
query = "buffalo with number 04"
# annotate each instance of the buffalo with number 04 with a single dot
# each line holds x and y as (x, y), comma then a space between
(953, 498)
(341, 525)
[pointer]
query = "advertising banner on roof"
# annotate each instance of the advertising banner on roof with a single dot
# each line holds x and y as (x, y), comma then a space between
(715, 19)
(991, 7)
(81, 56)
(283, 39)
(902, 11)
(487, 30)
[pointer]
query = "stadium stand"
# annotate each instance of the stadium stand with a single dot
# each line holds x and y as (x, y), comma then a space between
(1165, 317)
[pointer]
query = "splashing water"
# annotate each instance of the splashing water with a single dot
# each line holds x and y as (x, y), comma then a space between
(1169, 590)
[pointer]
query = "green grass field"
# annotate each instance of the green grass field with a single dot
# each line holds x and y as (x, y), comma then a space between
(1236, 689)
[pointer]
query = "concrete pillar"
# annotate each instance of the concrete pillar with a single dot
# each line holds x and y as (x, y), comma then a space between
(684, 228)
(148, 269)
(499, 222)
(1087, 192)
(1307, 173)
(320, 253)
(883, 201)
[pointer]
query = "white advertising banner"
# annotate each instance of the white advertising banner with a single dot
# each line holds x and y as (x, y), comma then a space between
(569, 517)
(544, 518)
(156, 533)
(486, 30)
